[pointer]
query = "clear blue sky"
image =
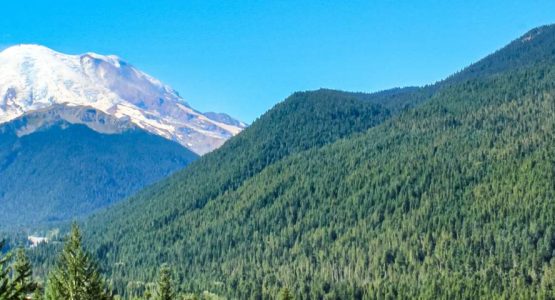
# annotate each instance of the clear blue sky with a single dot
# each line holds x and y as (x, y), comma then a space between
(242, 57)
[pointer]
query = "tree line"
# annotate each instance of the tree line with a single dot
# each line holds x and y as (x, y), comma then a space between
(76, 276)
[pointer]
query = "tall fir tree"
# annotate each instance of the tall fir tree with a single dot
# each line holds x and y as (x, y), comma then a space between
(76, 276)
(23, 275)
(7, 290)
(164, 290)
(37, 294)
(285, 294)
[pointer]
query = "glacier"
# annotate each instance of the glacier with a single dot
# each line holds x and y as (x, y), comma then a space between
(35, 78)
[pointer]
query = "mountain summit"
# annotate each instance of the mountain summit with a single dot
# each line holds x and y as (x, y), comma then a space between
(34, 78)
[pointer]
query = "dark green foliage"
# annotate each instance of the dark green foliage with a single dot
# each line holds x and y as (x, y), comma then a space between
(67, 171)
(304, 121)
(398, 99)
(37, 295)
(22, 275)
(7, 291)
(534, 48)
(16, 282)
(164, 290)
(453, 198)
(76, 276)
(285, 294)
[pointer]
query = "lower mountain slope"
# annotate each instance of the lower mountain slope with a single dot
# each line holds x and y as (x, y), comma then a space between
(452, 199)
(60, 171)
(305, 120)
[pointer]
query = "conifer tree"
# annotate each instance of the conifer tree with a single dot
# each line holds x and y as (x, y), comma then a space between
(7, 290)
(148, 294)
(37, 294)
(22, 275)
(285, 294)
(164, 290)
(76, 276)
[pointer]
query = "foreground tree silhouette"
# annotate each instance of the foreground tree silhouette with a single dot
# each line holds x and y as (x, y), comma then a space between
(285, 294)
(16, 281)
(23, 275)
(164, 291)
(7, 290)
(76, 276)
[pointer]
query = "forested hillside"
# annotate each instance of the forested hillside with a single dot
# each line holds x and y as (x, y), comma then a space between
(67, 171)
(304, 121)
(535, 47)
(447, 192)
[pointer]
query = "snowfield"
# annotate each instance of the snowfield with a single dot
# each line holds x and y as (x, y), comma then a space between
(34, 77)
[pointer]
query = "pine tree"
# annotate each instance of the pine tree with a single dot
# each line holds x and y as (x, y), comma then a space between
(7, 290)
(164, 291)
(148, 294)
(285, 294)
(37, 294)
(22, 276)
(76, 276)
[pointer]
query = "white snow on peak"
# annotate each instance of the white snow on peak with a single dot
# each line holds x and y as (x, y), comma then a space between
(35, 77)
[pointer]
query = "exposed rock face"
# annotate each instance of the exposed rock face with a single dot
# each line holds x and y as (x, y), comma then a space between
(92, 118)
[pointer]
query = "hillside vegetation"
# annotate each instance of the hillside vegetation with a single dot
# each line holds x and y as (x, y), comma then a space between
(68, 171)
(444, 191)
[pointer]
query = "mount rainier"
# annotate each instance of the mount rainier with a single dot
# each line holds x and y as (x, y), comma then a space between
(35, 78)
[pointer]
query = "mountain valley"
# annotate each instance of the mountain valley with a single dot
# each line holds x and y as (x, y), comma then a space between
(441, 191)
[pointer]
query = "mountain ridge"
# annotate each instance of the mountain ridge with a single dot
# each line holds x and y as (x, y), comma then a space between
(60, 170)
(449, 197)
(33, 77)
(88, 116)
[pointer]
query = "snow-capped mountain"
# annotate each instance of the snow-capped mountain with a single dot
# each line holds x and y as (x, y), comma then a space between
(35, 78)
